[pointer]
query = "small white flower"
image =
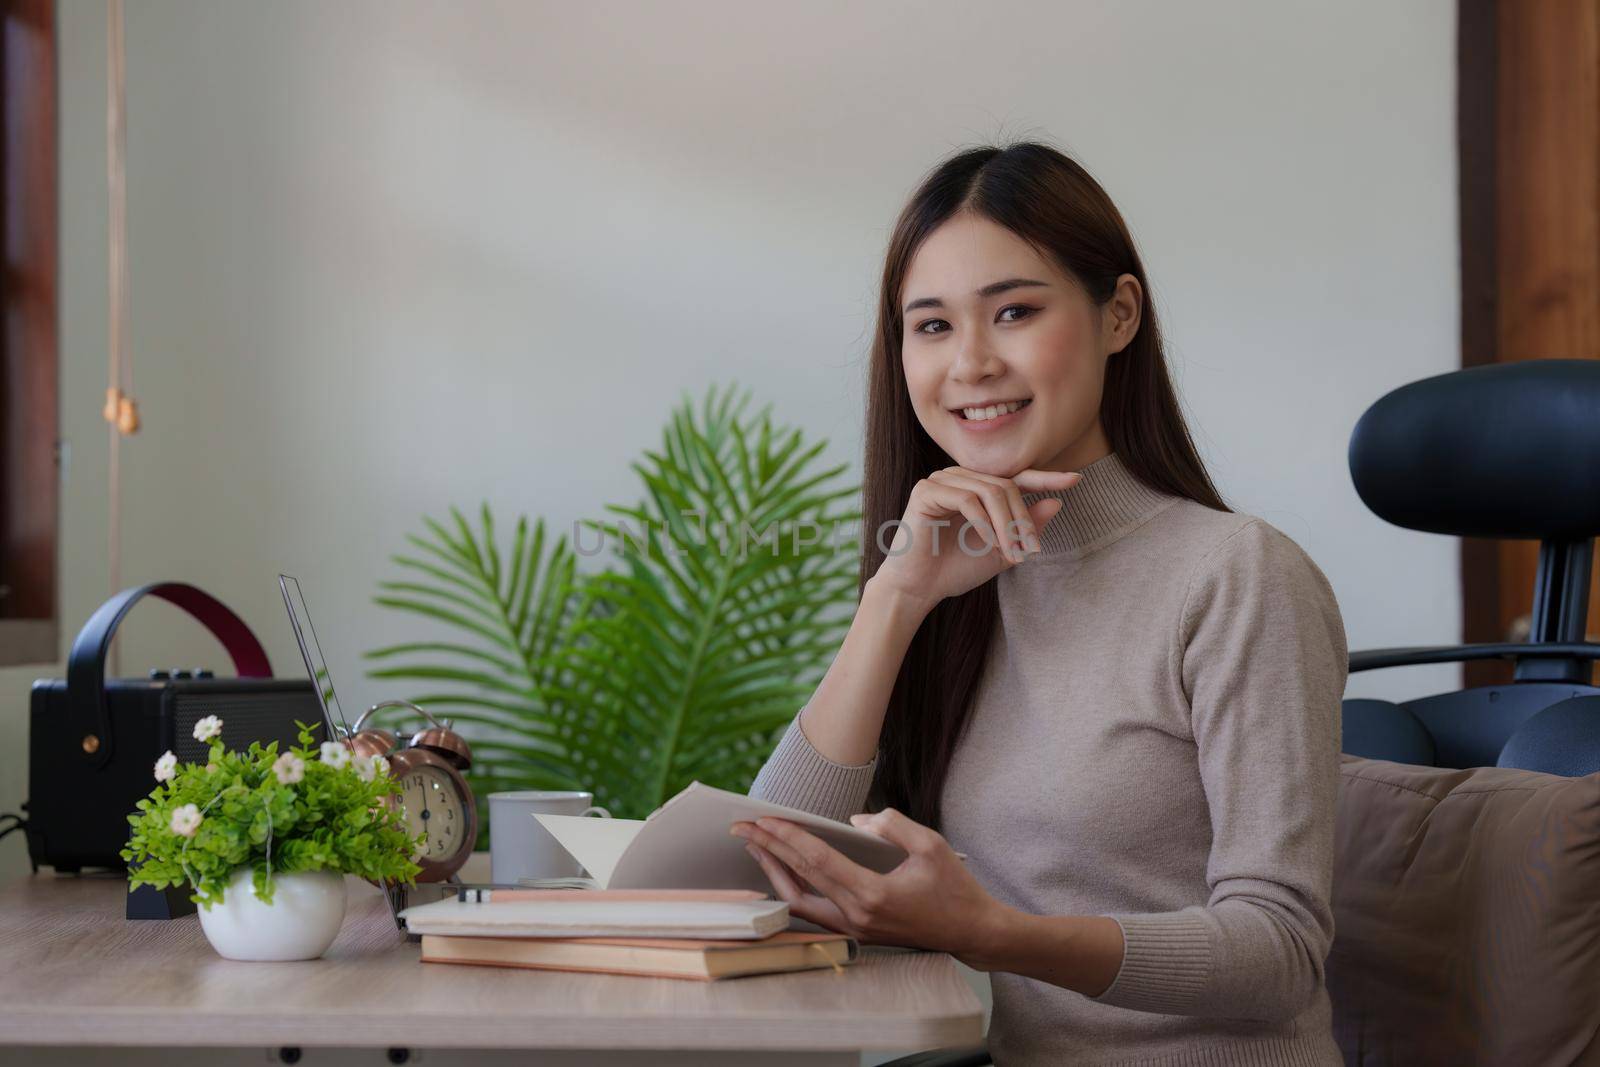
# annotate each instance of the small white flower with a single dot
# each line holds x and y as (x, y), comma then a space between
(210, 767)
(166, 767)
(207, 728)
(372, 767)
(289, 768)
(186, 820)
(335, 754)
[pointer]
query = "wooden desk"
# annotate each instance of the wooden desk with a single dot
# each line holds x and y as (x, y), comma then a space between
(75, 972)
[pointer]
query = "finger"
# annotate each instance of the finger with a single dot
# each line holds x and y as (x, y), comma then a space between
(902, 830)
(810, 860)
(1045, 510)
(783, 882)
(988, 498)
(1020, 524)
(995, 504)
(823, 912)
(813, 859)
(807, 905)
(1038, 481)
(966, 504)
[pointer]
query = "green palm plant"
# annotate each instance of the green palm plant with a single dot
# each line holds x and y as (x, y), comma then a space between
(509, 610)
(726, 592)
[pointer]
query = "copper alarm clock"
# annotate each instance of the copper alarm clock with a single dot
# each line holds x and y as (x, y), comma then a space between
(436, 799)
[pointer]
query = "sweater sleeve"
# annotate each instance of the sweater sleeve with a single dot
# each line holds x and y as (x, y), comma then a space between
(798, 776)
(1261, 655)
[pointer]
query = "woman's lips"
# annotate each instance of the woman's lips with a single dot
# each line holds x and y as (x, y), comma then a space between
(999, 422)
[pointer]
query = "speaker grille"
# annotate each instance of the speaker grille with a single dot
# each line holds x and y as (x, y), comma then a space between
(246, 717)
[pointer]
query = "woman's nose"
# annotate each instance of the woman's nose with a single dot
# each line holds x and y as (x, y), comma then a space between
(976, 360)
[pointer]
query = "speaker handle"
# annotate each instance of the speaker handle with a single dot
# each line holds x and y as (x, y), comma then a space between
(86, 666)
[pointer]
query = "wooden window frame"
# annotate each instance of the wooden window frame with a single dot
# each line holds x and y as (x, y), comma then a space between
(29, 343)
(1528, 133)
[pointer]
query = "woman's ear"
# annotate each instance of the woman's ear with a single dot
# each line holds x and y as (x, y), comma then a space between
(1125, 310)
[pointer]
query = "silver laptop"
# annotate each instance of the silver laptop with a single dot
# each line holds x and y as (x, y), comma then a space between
(338, 726)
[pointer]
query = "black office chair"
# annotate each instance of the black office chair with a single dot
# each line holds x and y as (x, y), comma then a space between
(1506, 451)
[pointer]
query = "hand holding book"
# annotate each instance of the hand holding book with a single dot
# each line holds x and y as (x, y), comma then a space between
(929, 901)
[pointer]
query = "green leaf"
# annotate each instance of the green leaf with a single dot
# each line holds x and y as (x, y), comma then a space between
(679, 658)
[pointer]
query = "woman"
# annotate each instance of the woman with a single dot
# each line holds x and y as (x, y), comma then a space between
(1070, 661)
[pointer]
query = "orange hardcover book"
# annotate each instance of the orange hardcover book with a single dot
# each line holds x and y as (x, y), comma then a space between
(790, 950)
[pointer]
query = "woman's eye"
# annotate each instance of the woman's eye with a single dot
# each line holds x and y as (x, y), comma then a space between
(923, 327)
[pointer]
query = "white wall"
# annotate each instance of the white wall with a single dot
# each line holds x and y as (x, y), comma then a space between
(387, 257)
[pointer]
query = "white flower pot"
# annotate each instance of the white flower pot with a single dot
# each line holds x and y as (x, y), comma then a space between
(301, 922)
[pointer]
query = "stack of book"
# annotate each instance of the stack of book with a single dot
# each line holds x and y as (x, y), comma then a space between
(672, 933)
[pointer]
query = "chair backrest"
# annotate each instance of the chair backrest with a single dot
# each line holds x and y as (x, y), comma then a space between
(1508, 450)
(1504, 451)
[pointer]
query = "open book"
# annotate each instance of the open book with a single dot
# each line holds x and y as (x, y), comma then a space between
(685, 843)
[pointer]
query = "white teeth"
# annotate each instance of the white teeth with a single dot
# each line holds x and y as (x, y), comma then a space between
(993, 411)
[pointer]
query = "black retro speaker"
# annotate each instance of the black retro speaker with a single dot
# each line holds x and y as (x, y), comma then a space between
(94, 741)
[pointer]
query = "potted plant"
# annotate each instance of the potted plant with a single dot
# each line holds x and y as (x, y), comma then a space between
(728, 587)
(264, 839)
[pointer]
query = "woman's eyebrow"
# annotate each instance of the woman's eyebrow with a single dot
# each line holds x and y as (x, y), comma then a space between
(987, 291)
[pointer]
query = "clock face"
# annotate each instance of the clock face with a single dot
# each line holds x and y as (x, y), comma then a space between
(433, 806)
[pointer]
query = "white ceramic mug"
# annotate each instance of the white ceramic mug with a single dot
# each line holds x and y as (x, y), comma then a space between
(519, 848)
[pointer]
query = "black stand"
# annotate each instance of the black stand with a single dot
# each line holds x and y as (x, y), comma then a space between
(1560, 609)
(148, 902)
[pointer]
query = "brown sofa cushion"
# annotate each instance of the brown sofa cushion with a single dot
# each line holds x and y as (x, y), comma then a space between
(1466, 916)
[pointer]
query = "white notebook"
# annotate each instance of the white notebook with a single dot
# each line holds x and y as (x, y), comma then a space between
(560, 917)
(685, 843)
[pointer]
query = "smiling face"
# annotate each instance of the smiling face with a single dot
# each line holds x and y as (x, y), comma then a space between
(1004, 354)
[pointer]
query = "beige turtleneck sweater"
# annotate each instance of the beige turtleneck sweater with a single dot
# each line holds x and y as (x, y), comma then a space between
(1155, 738)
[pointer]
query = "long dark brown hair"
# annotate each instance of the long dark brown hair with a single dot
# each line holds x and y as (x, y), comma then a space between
(1051, 202)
